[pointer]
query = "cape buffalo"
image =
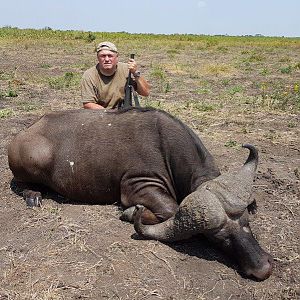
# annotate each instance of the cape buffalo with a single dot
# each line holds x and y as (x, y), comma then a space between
(153, 165)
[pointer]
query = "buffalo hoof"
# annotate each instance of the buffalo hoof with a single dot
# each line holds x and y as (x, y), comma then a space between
(128, 214)
(32, 199)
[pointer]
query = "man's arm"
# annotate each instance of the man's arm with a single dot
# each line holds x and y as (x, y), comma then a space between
(91, 105)
(142, 86)
(88, 94)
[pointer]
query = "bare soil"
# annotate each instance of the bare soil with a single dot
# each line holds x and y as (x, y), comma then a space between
(74, 251)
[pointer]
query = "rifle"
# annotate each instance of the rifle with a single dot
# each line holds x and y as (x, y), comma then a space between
(130, 93)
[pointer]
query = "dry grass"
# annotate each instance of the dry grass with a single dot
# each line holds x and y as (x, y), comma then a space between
(230, 90)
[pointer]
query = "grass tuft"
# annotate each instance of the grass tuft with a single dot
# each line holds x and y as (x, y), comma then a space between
(6, 113)
(68, 80)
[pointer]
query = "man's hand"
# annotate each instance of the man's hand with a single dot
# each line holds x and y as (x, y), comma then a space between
(143, 87)
(132, 65)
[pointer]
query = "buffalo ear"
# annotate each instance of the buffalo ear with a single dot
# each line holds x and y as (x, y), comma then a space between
(252, 207)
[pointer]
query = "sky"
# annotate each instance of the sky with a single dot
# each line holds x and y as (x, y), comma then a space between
(209, 17)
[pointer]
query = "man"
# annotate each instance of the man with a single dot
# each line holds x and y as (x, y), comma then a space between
(102, 86)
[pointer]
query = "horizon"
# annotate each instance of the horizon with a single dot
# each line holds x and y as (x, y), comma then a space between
(147, 33)
(270, 18)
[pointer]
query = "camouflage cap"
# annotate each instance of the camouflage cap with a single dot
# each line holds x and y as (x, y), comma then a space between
(107, 46)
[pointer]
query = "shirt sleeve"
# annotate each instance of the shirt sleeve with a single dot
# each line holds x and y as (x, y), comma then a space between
(88, 90)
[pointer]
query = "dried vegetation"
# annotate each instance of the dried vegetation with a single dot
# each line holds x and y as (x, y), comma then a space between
(230, 90)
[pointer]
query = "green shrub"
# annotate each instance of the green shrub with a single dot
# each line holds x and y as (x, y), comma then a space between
(279, 96)
(6, 113)
(91, 37)
(69, 79)
(286, 70)
(158, 73)
(255, 57)
(231, 143)
(200, 106)
(11, 93)
(235, 89)
(45, 66)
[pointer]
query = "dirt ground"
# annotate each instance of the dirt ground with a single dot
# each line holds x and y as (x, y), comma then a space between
(74, 251)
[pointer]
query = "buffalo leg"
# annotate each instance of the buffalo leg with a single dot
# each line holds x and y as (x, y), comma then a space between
(30, 192)
(148, 217)
(32, 198)
(159, 205)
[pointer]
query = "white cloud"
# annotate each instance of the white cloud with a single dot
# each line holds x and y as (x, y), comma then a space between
(201, 4)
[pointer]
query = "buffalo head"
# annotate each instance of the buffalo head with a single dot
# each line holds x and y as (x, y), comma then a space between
(218, 209)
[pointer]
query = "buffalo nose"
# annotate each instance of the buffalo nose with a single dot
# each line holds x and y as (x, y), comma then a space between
(265, 270)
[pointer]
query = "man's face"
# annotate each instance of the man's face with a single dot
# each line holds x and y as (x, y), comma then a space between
(107, 60)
